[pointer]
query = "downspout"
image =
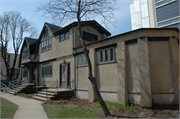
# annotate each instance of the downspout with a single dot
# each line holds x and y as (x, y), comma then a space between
(74, 61)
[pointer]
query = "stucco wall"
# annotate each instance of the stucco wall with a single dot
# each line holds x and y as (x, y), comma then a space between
(160, 67)
(56, 72)
(82, 78)
(107, 77)
(132, 68)
(87, 29)
(58, 49)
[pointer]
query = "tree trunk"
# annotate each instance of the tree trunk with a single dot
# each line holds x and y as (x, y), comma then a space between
(90, 76)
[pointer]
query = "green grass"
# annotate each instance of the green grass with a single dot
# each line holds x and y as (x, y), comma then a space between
(8, 108)
(116, 106)
(59, 111)
(25, 95)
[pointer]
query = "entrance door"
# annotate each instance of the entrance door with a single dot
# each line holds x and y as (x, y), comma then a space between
(65, 75)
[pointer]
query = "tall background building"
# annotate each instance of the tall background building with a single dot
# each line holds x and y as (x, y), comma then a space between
(155, 13)
(168, 13)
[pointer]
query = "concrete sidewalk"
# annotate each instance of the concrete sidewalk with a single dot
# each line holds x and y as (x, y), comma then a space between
(28, 108)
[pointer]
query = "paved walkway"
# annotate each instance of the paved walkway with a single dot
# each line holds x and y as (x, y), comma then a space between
(28, 108)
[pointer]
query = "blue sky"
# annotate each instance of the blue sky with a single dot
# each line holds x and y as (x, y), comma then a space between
(27, 9)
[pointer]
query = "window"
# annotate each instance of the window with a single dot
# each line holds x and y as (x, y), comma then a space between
(81, 60)
(49, 44)
(64, 36)
(106, 55)
(46, 45)
(8, 61)
(25, 72)
(47, 69)
(46, 33)
(89, 37)
(25, 51)
(61, 37)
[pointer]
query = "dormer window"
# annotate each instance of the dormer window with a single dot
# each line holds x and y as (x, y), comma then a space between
(89, 37)
(46, 33)
(25, 51)
(64, 36)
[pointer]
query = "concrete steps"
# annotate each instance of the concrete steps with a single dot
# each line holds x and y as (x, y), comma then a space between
(40, 98)
(28, 89)
(53, 94)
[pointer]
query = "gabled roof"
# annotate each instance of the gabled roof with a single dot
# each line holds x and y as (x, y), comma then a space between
(52, 27)
(30, 40)
(91, 23)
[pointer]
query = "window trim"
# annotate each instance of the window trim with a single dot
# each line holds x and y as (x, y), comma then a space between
(109, 55)
(105, 55)
(100, 57)
(46, 69)
(64, 34)
(81, 60)
(113, 54)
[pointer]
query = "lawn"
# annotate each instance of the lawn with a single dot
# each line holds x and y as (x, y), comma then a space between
(70, 111)
(8, 108)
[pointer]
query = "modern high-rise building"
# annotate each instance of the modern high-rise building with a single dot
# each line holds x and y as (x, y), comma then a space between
(167, 13)
(143, 14)
(155, 13)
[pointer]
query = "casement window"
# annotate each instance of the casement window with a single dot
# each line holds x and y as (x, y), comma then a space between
(81, 60)
(8, 61)
(47, 69)
(46, 33)
(107, 55)
(46, 45)
(64, 36)
(49, 46)
(25, 72)
(25, 52)
(89, 37)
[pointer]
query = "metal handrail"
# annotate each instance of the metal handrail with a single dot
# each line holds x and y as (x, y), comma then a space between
(51, 86)
(16, 83)
(3, 87)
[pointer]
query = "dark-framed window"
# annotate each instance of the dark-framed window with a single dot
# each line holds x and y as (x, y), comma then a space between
(25, 51)
(47, 69)
(64, 36)
(46, 45)
(89, 37)
(46, 33)
(81, 60)
(107, 55)
(25, 72)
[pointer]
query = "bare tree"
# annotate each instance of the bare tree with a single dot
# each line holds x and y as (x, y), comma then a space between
(12, 28)
(66, 10)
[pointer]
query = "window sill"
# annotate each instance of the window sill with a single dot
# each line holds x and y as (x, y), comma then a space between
(81, 66)
(63, 40)
(107, 63)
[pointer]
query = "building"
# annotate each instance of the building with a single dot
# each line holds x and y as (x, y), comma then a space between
(168, 15)
(10, 58)
(155, 13)
(129, 67)
(143, 14)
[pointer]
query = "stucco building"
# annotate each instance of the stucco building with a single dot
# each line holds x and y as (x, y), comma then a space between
(139, 67)
(10, 58)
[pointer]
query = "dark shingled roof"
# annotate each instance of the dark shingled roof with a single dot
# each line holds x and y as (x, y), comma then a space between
(53, 28)
(31, 40)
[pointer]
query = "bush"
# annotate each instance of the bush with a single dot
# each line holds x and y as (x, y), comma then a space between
(116, 106)
(25, 95)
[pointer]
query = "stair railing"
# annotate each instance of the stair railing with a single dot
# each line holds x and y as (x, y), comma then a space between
(51, 86)
(4, 87)
(15, 83)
